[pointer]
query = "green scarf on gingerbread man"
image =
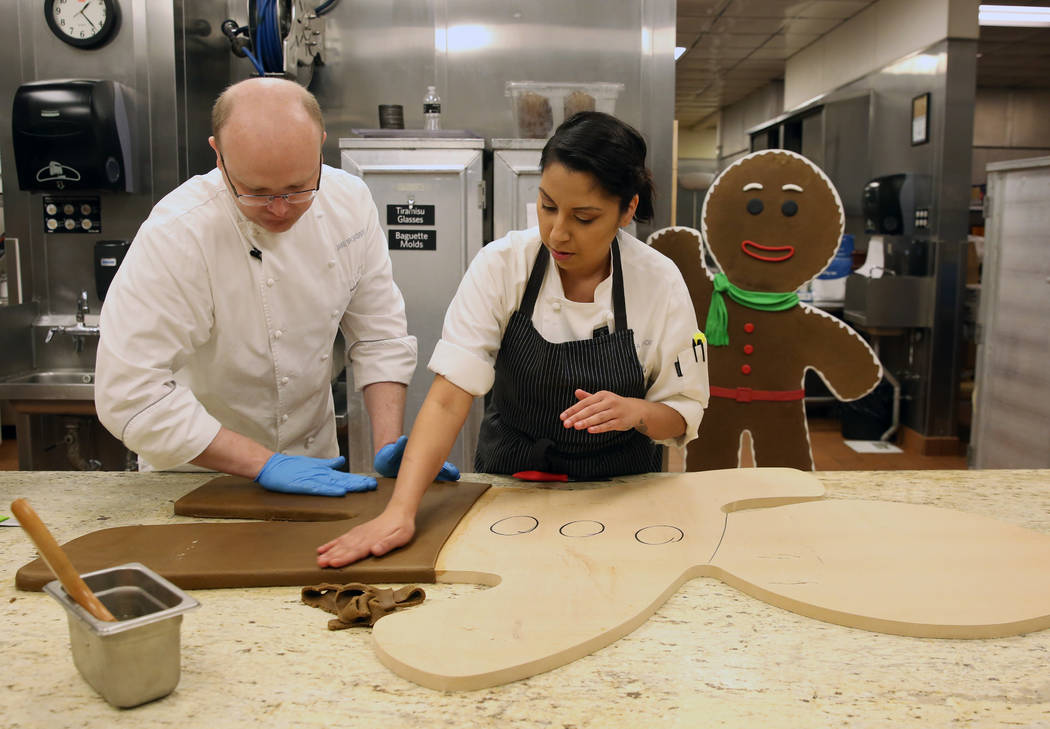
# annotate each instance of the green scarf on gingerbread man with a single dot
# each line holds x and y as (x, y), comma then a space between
(717, 326)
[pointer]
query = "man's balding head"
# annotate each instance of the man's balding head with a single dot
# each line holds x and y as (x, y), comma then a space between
(259, 104)
(267, 137)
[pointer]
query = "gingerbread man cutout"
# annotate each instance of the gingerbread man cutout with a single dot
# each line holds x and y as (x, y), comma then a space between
(772, 221)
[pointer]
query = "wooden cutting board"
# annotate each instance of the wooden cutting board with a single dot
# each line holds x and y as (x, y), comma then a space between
(267, 553)
(572, 571)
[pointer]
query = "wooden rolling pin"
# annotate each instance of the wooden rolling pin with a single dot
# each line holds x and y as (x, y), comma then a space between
(56, 559)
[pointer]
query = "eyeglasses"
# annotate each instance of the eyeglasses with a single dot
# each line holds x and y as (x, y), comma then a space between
(294, 198)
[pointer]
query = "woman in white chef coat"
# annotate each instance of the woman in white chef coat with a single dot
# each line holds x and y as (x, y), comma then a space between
(585, 335)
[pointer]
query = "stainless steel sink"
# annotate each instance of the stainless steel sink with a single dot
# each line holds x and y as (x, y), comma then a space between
(890, 302)
(57, 377)
(49, 385)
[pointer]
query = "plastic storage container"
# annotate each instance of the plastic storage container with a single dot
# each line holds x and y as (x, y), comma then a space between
(829, 287)
(138, 658)
(538, 108)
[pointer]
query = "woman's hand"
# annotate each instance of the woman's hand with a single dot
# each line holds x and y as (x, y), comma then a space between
(388, 531)
(604, 411)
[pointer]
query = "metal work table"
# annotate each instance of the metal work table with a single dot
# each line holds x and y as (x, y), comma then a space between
(711, 656)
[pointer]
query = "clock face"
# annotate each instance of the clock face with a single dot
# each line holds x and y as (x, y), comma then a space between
(82, 23)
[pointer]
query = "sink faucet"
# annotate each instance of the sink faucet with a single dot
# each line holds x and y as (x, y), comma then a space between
(79, 330)
(82, 307)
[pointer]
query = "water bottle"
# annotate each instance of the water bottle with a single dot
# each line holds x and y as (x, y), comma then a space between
(431, 110)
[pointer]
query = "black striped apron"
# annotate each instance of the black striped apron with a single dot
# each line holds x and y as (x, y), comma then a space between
(536, 381)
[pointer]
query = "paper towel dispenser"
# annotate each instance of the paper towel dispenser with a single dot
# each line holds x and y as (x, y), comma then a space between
(109, 254)
(897, 204)
(73, 135)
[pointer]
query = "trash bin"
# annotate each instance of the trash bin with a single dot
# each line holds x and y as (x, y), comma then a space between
(870, 416)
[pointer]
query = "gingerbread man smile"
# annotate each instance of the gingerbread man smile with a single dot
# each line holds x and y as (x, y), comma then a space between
(770, 254)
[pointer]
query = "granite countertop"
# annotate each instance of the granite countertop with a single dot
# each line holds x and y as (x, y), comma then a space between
(710, 656)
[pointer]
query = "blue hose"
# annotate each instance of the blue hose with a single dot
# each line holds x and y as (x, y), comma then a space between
(268, 43)
(255, 62)
(268, 38)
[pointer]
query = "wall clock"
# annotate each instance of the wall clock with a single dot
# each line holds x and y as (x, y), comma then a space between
(82, 23)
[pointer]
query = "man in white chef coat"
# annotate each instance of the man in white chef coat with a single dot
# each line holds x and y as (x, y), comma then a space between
(218, 329)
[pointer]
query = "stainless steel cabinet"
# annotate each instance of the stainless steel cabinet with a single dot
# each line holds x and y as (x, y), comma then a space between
(515, 183)
(1012, 413)
(431, 198)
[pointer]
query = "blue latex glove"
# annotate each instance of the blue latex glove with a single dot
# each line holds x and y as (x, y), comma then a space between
(306, 475)
(388, 462)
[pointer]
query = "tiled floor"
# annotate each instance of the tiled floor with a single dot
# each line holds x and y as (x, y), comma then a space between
(829, 452)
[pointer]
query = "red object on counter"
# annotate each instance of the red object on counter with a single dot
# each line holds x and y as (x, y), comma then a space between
(540, 476)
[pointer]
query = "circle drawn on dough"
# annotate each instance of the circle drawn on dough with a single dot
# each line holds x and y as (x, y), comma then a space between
(581, 528)
(658, 534)
(512, 526)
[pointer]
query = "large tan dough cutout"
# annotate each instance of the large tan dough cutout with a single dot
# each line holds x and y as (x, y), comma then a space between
(559, 594)
(577, 569)
(892, 568)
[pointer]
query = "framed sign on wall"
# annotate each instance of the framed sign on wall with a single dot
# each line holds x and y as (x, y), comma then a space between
(920, 119)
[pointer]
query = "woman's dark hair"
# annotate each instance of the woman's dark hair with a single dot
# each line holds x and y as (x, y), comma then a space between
(609, 149)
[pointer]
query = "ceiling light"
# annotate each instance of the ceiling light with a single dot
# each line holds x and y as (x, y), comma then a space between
(919, 64)
(462, 38)
(678, 51)
(1014, 15)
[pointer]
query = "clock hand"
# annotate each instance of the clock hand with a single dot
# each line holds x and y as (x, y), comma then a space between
(86, 17)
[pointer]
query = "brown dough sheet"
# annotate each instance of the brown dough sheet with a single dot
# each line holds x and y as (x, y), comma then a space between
(267, 553)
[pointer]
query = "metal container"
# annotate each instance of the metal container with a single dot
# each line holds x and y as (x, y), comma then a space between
(391, 116)
(137, 658)
(890, 302)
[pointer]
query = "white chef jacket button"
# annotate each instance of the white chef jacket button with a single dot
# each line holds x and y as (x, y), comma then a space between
(331, 264)
(324, 357)
(277, 334)
(284, 380)
(310, 441)
(284, 418)
(556, 306)
(335, 313)
(269, 282)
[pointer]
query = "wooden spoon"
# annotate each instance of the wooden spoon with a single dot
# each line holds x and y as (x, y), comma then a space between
(57, 560)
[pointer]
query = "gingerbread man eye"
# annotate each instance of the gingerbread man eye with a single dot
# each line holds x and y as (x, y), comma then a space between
(754, 206)
(789, 208)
